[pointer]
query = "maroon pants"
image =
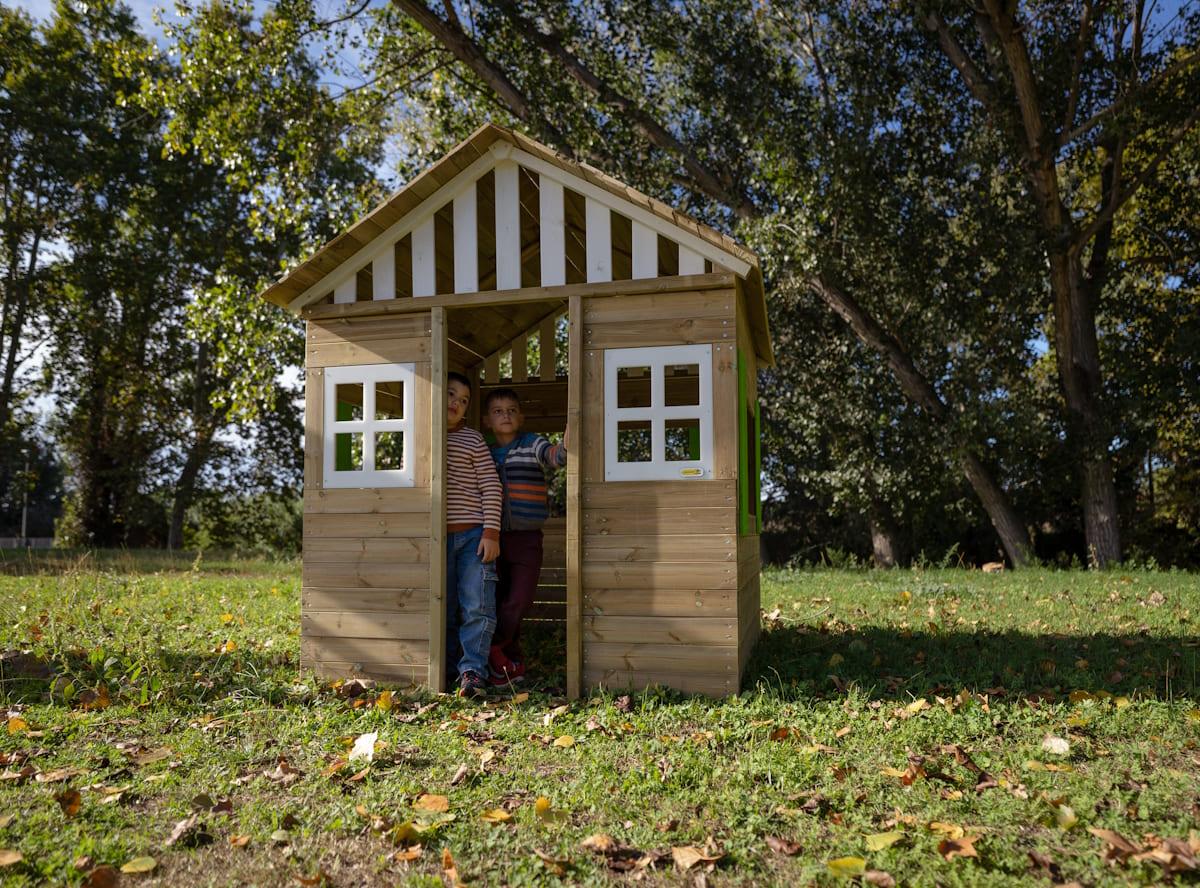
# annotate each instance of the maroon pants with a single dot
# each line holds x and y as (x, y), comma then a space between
(520, 564)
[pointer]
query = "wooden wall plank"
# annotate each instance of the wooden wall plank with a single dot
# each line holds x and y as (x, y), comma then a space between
(365, 650)
(466, 246)
(364, 624)
(660, 522)
(400, 674)
(333, 525)
(547, 347)
(314, 427)
(598, 222)
(725, 411)
(320, 574)
(637, 680)
(366, 500)
(367, 550)
(660, 494)
(592, 456)
(410, 600)
(687, 630)
(520, 359)
(661, 602)
(645, 251)
(373, 351)
(423, 447)
(662, 575)
(340, 330)
(383, 274)
(712, 658)
(436, 627)
(652, 548)
(508, 226)
(719, 303)
(574, 523)
(552, 235)
(424, 259)
(665, 331)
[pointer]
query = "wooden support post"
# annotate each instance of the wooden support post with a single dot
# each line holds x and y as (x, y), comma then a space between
(546, 349)
(437, 502)
(491, 369)
(520, 359)
(575, 498)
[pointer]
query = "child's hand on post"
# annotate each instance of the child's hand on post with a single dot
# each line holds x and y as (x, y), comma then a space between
(488, 550)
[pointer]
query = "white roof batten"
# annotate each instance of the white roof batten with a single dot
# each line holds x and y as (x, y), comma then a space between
(425, 210)
(635, 212)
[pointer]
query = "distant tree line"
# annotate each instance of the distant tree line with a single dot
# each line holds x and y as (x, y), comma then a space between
(978, 225)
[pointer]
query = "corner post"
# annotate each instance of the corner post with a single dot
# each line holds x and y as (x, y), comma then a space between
(437, 501)
(574, 498)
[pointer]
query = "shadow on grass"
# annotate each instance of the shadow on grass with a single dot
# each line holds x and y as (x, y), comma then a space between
(57, 562)
(886, 664)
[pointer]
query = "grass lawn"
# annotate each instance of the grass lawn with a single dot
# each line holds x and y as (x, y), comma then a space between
(933, 727)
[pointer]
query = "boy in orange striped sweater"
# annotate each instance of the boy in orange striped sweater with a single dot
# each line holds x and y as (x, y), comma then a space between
(473, 501)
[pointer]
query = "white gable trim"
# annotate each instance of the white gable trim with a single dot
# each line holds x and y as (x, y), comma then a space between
(465, 180)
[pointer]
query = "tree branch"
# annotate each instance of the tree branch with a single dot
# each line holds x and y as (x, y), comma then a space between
(1081, 43)
(976, 81)
(1121, 195)
(463, 48)
(1118, 105)
(719, 187)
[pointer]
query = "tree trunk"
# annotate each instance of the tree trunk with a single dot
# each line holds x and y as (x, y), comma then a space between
(991, 495)
(885, 536)
(203, 429)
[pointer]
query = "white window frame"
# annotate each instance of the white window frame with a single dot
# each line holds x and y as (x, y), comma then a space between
(368, 375)
(657, 358)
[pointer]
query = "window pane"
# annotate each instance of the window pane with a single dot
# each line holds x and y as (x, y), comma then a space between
(633, 441)
(389, 400)
(389, 450)
(682, 440)
(633, 387)
(681, 384)
(349, 401)
(348, 449)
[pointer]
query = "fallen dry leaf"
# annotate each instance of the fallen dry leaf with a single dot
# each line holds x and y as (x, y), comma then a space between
(101, 877)
(783, 846)
(70, 801)
(429, 802)
(189, 833)
(879, 841)
(239, 841)
(600, 843)
(495, 815)
(449, 868)
(963, 847)
(384, 701)
(9, 857)
(879, 878)
(17, 725)
(150, 756)
(459, 775)
(847, 867)
(564, 741)
(409, 854)
(6, 819)
(1056, 745)
(950, 830)
(688, 856)
(139, 865)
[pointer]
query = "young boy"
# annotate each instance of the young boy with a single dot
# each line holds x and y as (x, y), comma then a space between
(473, 501)
(521, 459)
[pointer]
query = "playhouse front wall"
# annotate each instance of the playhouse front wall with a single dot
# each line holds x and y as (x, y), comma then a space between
(366, 574)
(670, 588)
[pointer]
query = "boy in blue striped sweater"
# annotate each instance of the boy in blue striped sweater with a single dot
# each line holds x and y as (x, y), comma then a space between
(522, 459)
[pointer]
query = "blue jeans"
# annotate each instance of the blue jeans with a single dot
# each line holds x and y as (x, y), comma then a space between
(470, 601)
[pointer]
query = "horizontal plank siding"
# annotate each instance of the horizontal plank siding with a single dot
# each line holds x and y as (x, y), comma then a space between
(366, 650)
(327, 525)
(366, 500)
(369, 550)
(401, 674)
(368, 351)
(660, 630)
(672, 331)
(337, 330)
(365, 624)
(638, 679)
(653, 548)
(413, 599)
(667, 657)
(644, 520)
(661, 602)
(344, 575)
(663, 575)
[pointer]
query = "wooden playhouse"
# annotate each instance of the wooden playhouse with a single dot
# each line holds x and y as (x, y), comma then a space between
(609, 312)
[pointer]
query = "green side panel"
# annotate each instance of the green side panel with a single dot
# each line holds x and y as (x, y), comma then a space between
(694, 443)
(758, 462)
(342, 459)
(743, 450)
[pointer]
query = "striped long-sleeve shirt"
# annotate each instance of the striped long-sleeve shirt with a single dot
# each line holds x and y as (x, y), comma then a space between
(473, 491)
(522, 464)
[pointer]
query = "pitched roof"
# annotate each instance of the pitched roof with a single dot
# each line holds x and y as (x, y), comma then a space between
(490, 142)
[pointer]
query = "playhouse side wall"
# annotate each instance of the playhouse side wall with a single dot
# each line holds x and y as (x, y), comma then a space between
(749, 509)
(660, 558)
(366, 574)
